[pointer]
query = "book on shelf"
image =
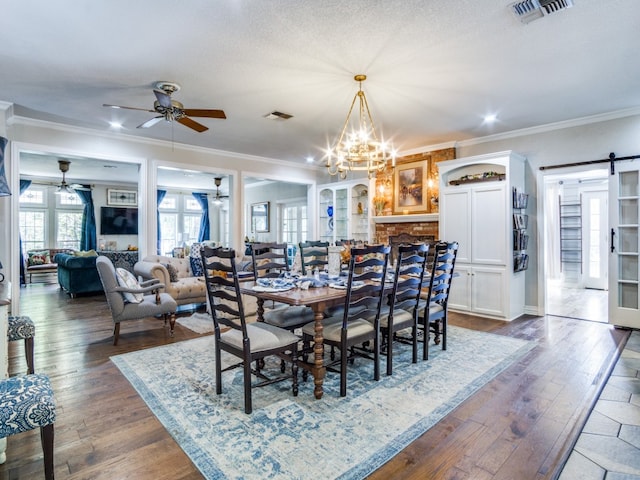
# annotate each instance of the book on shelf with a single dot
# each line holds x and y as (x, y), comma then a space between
(519, 200)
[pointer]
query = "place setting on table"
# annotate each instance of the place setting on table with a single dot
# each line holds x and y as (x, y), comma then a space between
(288, 281)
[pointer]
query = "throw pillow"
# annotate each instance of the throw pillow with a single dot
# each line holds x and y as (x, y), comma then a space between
(196, 266)
(128, 280)
(171, 270)
(39, 258)
(195, 260)
(82, 253)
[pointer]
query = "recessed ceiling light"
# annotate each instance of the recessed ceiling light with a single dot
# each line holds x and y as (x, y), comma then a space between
(116, 125)
(490, 118)
(309, 159)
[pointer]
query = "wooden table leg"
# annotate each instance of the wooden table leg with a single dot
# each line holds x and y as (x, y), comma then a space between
(259, 312)
(318, 369)
(260, 309)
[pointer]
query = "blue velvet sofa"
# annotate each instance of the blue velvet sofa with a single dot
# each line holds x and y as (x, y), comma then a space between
(78, 274)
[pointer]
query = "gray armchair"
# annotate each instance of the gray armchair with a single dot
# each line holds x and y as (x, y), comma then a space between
(153, 303)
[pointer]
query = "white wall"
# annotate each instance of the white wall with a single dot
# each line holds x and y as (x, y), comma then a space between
(549, 145)
(544, 147)
(27, 134)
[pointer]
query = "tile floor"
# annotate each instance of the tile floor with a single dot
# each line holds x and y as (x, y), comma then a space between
(609, 446)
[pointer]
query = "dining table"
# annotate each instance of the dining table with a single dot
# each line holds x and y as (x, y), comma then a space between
(318, 299)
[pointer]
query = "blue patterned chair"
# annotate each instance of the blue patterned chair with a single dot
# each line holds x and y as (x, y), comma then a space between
(26, 402)
(22, 328)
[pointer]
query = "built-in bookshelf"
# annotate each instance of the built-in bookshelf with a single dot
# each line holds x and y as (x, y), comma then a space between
(520, 201)
(570, 233)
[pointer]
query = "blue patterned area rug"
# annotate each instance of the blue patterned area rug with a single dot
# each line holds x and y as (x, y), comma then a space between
(345, 438)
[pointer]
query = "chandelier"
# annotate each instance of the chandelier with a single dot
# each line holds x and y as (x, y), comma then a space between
(359, 150)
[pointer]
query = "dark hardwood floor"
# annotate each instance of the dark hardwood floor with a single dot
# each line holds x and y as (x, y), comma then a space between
(519, 426)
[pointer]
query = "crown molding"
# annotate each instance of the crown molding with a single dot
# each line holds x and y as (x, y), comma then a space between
(32, 122)
(430, 148)
(549, 127)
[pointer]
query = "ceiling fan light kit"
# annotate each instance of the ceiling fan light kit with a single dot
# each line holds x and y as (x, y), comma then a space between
(64, 188)
(360, 149)
(218, 198)
(171, 110)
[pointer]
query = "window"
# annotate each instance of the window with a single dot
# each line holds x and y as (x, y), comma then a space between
(68, 229)
(179, 221)
(33, 229)
(43, 227)
(33, 196)
(169, 232)
(294, 223)
(69, 200)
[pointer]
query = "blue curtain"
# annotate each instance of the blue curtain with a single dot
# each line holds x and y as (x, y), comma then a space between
(203, 200)
(24, 184)
(160, 195)
(88, 239)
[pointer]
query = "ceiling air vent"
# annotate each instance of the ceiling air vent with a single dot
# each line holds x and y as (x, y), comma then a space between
(276, 115)
(530, 10)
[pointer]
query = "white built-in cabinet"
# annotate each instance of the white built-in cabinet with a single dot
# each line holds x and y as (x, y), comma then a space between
(476, 198)
(344, 211)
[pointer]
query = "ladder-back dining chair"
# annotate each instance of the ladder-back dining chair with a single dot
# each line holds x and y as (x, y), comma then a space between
(248, 342)
(402, 309)
(359, 321)
(313, 255)
(270, 260)
(434, 303)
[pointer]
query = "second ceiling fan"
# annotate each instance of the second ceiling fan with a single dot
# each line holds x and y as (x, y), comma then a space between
(218, 198)
(170, 110)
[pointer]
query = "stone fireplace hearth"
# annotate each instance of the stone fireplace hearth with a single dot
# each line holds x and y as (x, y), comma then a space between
(419, 225)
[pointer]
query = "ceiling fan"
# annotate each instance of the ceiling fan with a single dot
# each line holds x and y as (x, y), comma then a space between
(170, 110)
(64, 187)
(218, 198)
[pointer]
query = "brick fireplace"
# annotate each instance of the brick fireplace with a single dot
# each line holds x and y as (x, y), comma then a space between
(383, 230)
(419, 223)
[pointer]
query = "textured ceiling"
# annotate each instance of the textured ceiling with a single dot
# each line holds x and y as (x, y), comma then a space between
(435, 68)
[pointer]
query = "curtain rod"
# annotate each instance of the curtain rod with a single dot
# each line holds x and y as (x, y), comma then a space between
(612, 158)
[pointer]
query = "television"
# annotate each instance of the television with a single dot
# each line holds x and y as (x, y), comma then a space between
(118, 221)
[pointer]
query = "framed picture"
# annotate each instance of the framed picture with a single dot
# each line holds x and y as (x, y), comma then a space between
(260, 217)
(122, 197)
(410, 188)
(178, 252)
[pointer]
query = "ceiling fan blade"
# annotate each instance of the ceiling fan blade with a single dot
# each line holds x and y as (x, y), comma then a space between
(151, 122)
(128, 108)
(163, 98)
(79, 186)
(187, 122)
(194, 112)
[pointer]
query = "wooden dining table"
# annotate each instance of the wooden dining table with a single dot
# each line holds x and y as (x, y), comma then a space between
(318, 299)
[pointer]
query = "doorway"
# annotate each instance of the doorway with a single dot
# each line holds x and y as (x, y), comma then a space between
(575, 236)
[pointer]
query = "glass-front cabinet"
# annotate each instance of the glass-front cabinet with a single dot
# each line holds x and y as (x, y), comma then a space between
(344, 211)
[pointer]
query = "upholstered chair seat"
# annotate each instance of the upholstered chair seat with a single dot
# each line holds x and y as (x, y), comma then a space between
(288, 317)
(332, 329)
(26, 403)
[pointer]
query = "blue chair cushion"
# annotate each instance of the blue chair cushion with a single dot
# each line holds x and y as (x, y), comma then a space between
(20, 328)
(26, 402)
